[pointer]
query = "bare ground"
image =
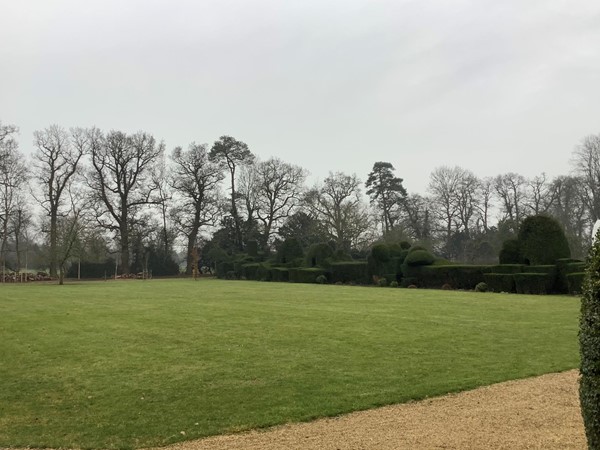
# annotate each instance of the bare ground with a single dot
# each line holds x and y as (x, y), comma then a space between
(535, 413)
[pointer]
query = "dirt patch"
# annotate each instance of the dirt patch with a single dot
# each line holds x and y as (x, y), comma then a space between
(535, 413)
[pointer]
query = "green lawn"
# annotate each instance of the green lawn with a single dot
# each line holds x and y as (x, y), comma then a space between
(139, 363)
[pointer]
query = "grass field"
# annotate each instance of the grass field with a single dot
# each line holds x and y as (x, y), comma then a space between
(143, 363)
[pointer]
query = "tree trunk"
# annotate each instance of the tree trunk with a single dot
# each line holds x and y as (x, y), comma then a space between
(124, 229)
(53, 243)
(190, 252)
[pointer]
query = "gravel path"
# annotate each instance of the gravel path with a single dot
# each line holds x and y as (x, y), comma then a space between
(535, 413)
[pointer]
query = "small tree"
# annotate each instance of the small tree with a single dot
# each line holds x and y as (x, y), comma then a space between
(589, 341)
(542, 240)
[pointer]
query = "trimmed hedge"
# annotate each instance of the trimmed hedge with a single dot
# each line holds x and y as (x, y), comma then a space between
(542, 240)
(279, 274)
(564, 268)
(306, 275)
(224, 268)
(250, 271)
(317, 254)
(506, 268)
(499, 282)
(533, 283)
(349, 271)
(457, 276)
(575, 282)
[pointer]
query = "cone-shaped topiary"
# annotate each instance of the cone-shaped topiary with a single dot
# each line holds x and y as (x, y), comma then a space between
(589, 341)
(542, 241)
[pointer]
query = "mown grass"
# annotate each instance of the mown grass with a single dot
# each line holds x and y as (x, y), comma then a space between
(143, 363)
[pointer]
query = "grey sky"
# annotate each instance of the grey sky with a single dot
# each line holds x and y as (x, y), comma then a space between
(493, 86)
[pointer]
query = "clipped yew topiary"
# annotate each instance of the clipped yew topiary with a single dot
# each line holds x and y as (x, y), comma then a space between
(542, 241)
(510, 252)
(589, 342)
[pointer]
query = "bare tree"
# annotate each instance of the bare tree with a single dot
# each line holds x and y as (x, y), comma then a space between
(20, 223)
(121, 181)
(337, 204)
(56, 160)
(279, 186)
(416, 217)
(195, 180)
(232, 153)
(69, 231)
(511, 190)
(13, 175)
(443, 184)
(586, 161)
(541, 196)
(485, 194)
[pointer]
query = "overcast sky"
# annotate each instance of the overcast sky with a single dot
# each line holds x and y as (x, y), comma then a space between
(493, 86)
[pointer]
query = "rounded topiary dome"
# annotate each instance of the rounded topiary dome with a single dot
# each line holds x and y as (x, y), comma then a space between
(542, 241)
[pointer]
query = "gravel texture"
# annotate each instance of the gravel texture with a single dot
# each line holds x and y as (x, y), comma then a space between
(535, 413)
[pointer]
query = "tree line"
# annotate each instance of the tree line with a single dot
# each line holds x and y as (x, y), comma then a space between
(120, 196)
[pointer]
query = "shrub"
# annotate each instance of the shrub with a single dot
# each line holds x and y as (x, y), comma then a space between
(395, 250)
(408, 281)
(412, 286)
(589, 344)
(575, 282)
(223, 268)
(446, 287)
(542, 240)
(564, 267)
(510, 253)
(499, 282)
(382, 282)
(394, 284)
(533, 283)
(289, 251)
(317, 254)
(321, 279)
(250, 271)
(252, 247)
(263, 273)
(481, 287)
(404, 245)
(380, 253)
(347, 271)
(415, 248)
(419, 258)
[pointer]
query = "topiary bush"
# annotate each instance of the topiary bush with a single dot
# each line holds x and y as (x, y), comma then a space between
(542, 241)
(355, 271)
(510, 253)
(575, 282)
(289, 251)
(419, 258)
(589, 344)
(404, 245)
(317, 254)
(394, 284)
(381, 253)
(382, 282)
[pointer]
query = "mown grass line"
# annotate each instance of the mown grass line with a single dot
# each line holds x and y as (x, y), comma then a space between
(146, 363)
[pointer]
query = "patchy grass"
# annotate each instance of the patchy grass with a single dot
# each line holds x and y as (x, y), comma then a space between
(142, 363)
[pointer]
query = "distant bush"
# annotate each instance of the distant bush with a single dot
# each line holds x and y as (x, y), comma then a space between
(510, 252)
(289, 251)
(542, 240)
(481, 287)
(280, 274)
(381, 253)
(506, 268)
(456, 275)
(419, 258)
(446, 287)
(415, 248)
(382, 282)
(321, 279)
(394, 284)
(404, 245)
(317, 254)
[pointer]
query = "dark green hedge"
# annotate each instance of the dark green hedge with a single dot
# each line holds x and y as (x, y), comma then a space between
(224, 268)
(564, 267)
(506, 268)
(575, 282)
(533, 283)
(419, 258)
(279, 274)
(499, 282)
(249, 271)
(93, 270)
(457, 276)
(542, 240)
(306, 275)
(349, 271)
